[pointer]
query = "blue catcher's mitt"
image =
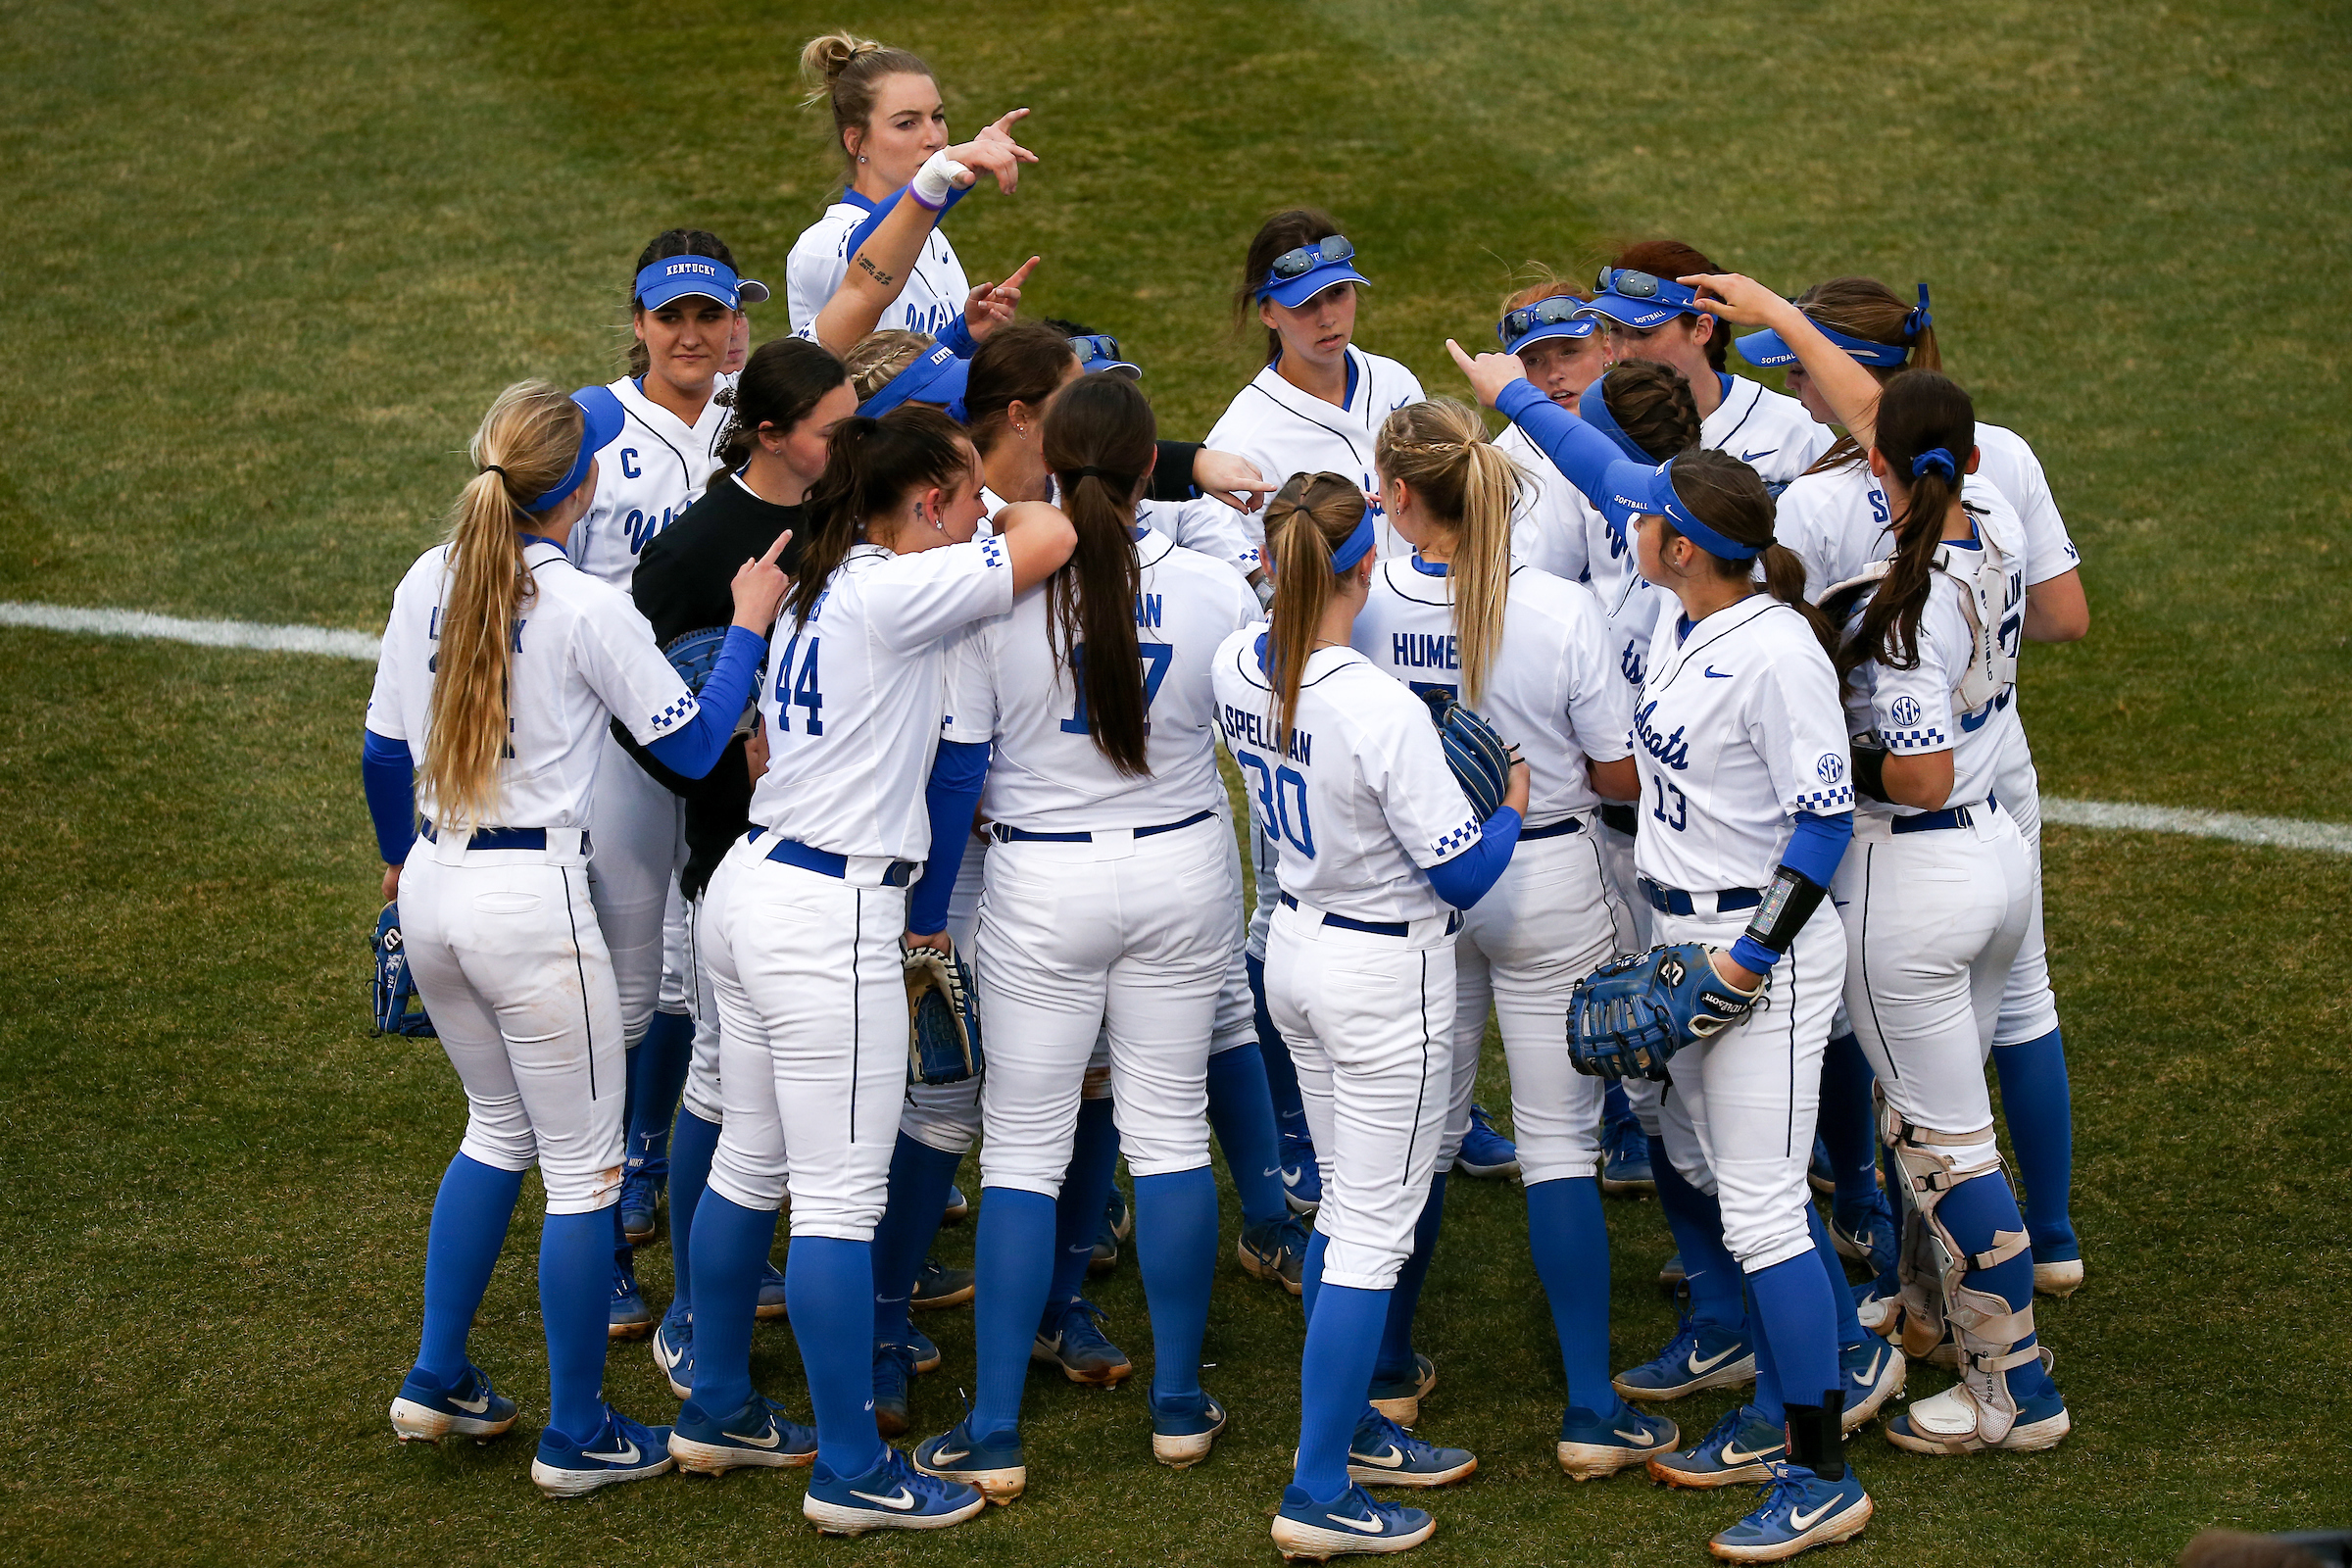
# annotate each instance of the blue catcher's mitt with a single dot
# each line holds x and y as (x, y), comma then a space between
(695, 654)
(1476, 753)
(399, 1010)
(1629, 1018)
(943, 1041)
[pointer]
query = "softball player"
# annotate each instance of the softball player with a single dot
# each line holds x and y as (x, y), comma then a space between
(1110, 897)
(1530, 652)
(804, 927)
(1749, 806)
(1319, 401)
(1840, 512)
(502, 664)
(1377, 841)
(1564, 353)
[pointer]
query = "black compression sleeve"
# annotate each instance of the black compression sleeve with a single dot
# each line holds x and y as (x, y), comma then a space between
(1870, 772)
(1172, 475)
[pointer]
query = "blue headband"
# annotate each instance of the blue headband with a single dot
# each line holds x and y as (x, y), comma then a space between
(1937, 460)
(1593, 406)
(938, 373)
(1657, 498)
(1357, 546)
(602, 420)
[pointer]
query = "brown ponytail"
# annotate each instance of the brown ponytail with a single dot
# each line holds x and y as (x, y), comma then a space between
(1867, 309)
(1308, 518)
(1919, 412)
(1440, 448)
(1728, 496)
(1099, 435)
(869, 467)
(533, 433)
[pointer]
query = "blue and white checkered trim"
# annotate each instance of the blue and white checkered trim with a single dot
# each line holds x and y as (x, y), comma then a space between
(1928, 738)
(992, 552)
(1827, 803)
(1461, 838)
(681, 711)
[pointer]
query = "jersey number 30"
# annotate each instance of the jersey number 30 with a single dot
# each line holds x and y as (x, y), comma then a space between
(1277, 788)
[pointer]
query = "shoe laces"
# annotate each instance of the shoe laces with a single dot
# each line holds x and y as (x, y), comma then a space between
(930, 1489)
(1374, 1427)
(896, 1362)
(1685, 1341)
(1721, 1430)
(1079, 1318)
(1785, 1488)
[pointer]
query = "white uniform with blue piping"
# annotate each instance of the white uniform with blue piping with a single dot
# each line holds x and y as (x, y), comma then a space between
(1286, 431)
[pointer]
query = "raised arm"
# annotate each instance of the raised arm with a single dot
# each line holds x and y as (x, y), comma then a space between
(1853, 391)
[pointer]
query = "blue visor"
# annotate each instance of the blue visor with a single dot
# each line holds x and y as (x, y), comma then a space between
(1656, 497)
(1100, 351)
(1559, 316)
(603, 422)
(937, 377)
(1593, 409)
(1769, 351)
(673, 277)
(1641, 300)
(1292, 291)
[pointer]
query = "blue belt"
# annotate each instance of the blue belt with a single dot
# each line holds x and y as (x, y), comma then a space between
(1949, 816)
(824, 862)
(1005, 833)
(506, 838)
(1674, 900)
(1554, 830)
(1377, 928)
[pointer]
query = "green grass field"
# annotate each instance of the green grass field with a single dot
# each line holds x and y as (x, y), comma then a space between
(268, 262)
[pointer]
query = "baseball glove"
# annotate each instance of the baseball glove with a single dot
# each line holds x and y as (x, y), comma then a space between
(1629, 1018)
(399, 1010)
(693, 655)
(944, 1044)
(1476, 753)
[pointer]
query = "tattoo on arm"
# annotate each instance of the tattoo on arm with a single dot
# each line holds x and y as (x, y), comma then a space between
(875, 272)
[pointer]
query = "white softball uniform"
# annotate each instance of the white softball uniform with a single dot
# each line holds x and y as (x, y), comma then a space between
(1738, 729)
(1285, 431)
(1547, 530)
(935, 290)
(1359, 958)
(1934, 904)
(1109, 902)
(804, 931)
(503, 940)
(1546, 923)
(1769, 431)
(1209, 526)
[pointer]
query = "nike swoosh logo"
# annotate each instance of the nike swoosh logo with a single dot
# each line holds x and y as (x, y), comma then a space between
(1700, 1368)
(1751, 457)
(472, 1406)
(1869, 1375)
(627, 1455)
(950, 1458)
(1630, 1437)
(1800, 1520)
(901, 1501)
(1718, 674)
(1388, 1459)
(1369, 1526)
(769, 1440)
(1734, 1454)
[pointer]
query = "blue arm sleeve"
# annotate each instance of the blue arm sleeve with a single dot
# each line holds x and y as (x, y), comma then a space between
(864, 231)
(1814, 850)
(1464, 880)
(388, 775)
(692, 750)
(1575, 448)
(954, 797)
(957, 336)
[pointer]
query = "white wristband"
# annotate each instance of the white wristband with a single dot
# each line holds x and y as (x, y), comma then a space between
(935, 181)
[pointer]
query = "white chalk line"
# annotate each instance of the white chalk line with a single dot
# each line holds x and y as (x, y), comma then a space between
(2276, 832)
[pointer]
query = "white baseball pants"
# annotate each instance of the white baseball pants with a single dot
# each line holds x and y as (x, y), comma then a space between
(638, 831)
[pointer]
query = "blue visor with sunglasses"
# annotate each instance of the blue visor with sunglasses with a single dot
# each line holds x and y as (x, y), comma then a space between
(1100, 351)
(1641, 300)
(1299, 275)
(1654, 495)
(1561, 316)
(939, 376)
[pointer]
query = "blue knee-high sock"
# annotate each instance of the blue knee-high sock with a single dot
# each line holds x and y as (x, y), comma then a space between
(572, 1287)
(730, 1246)
(829, 1290)
(1396, 1335)
(689, 1173)
(2039, 1104)
(1335, 1375)
(1242, 1111)
(1842, 1299)
(1282, 1074)
(1015, 1255)
(1085, 1190)
(1844, 1121)
(1176, 1251)
(1571, 1246)
(919, 1179)
(1972, 1213)
(470, 1213)
(1766, 1398)
(1310, 1276)
(1696, 1222)
(656, 1076)
(1793, 1313)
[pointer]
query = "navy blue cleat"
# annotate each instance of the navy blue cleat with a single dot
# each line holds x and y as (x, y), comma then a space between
(621, 1450)
(1625, 1160)
(1071, 1338)
(1183, 1429)
(426, 1410)
(893, 1383)
(640, 1203)
(1820, 1173)
(758, 1434)
(1485, 1152)
(1741, 1446)
(993, 1465)
(1275, 1251)
(938, 1286)
(770, 1302)
(1383, 1454)
(957, 1208)
(1592, 1446)
(673, 1351)
(892, 1496)
(926, 1354)
(1397, 1394)
(1354, 1521)
(1302, 1177)
(1866, 1232)
(1700, 1356)
(627, 1317)
(1800, 1511)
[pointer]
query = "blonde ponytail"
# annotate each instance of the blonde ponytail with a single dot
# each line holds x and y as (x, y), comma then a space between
(1440, 449)
(525, 446)
(1307, 519)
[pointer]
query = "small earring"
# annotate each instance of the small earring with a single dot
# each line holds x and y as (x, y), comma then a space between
(862, 158)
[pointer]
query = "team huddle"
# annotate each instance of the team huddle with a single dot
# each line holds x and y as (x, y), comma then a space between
(799, 763)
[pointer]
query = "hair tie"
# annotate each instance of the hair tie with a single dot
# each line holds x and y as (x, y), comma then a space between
(1921, 318)
(1935, 461)
(492, 467)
